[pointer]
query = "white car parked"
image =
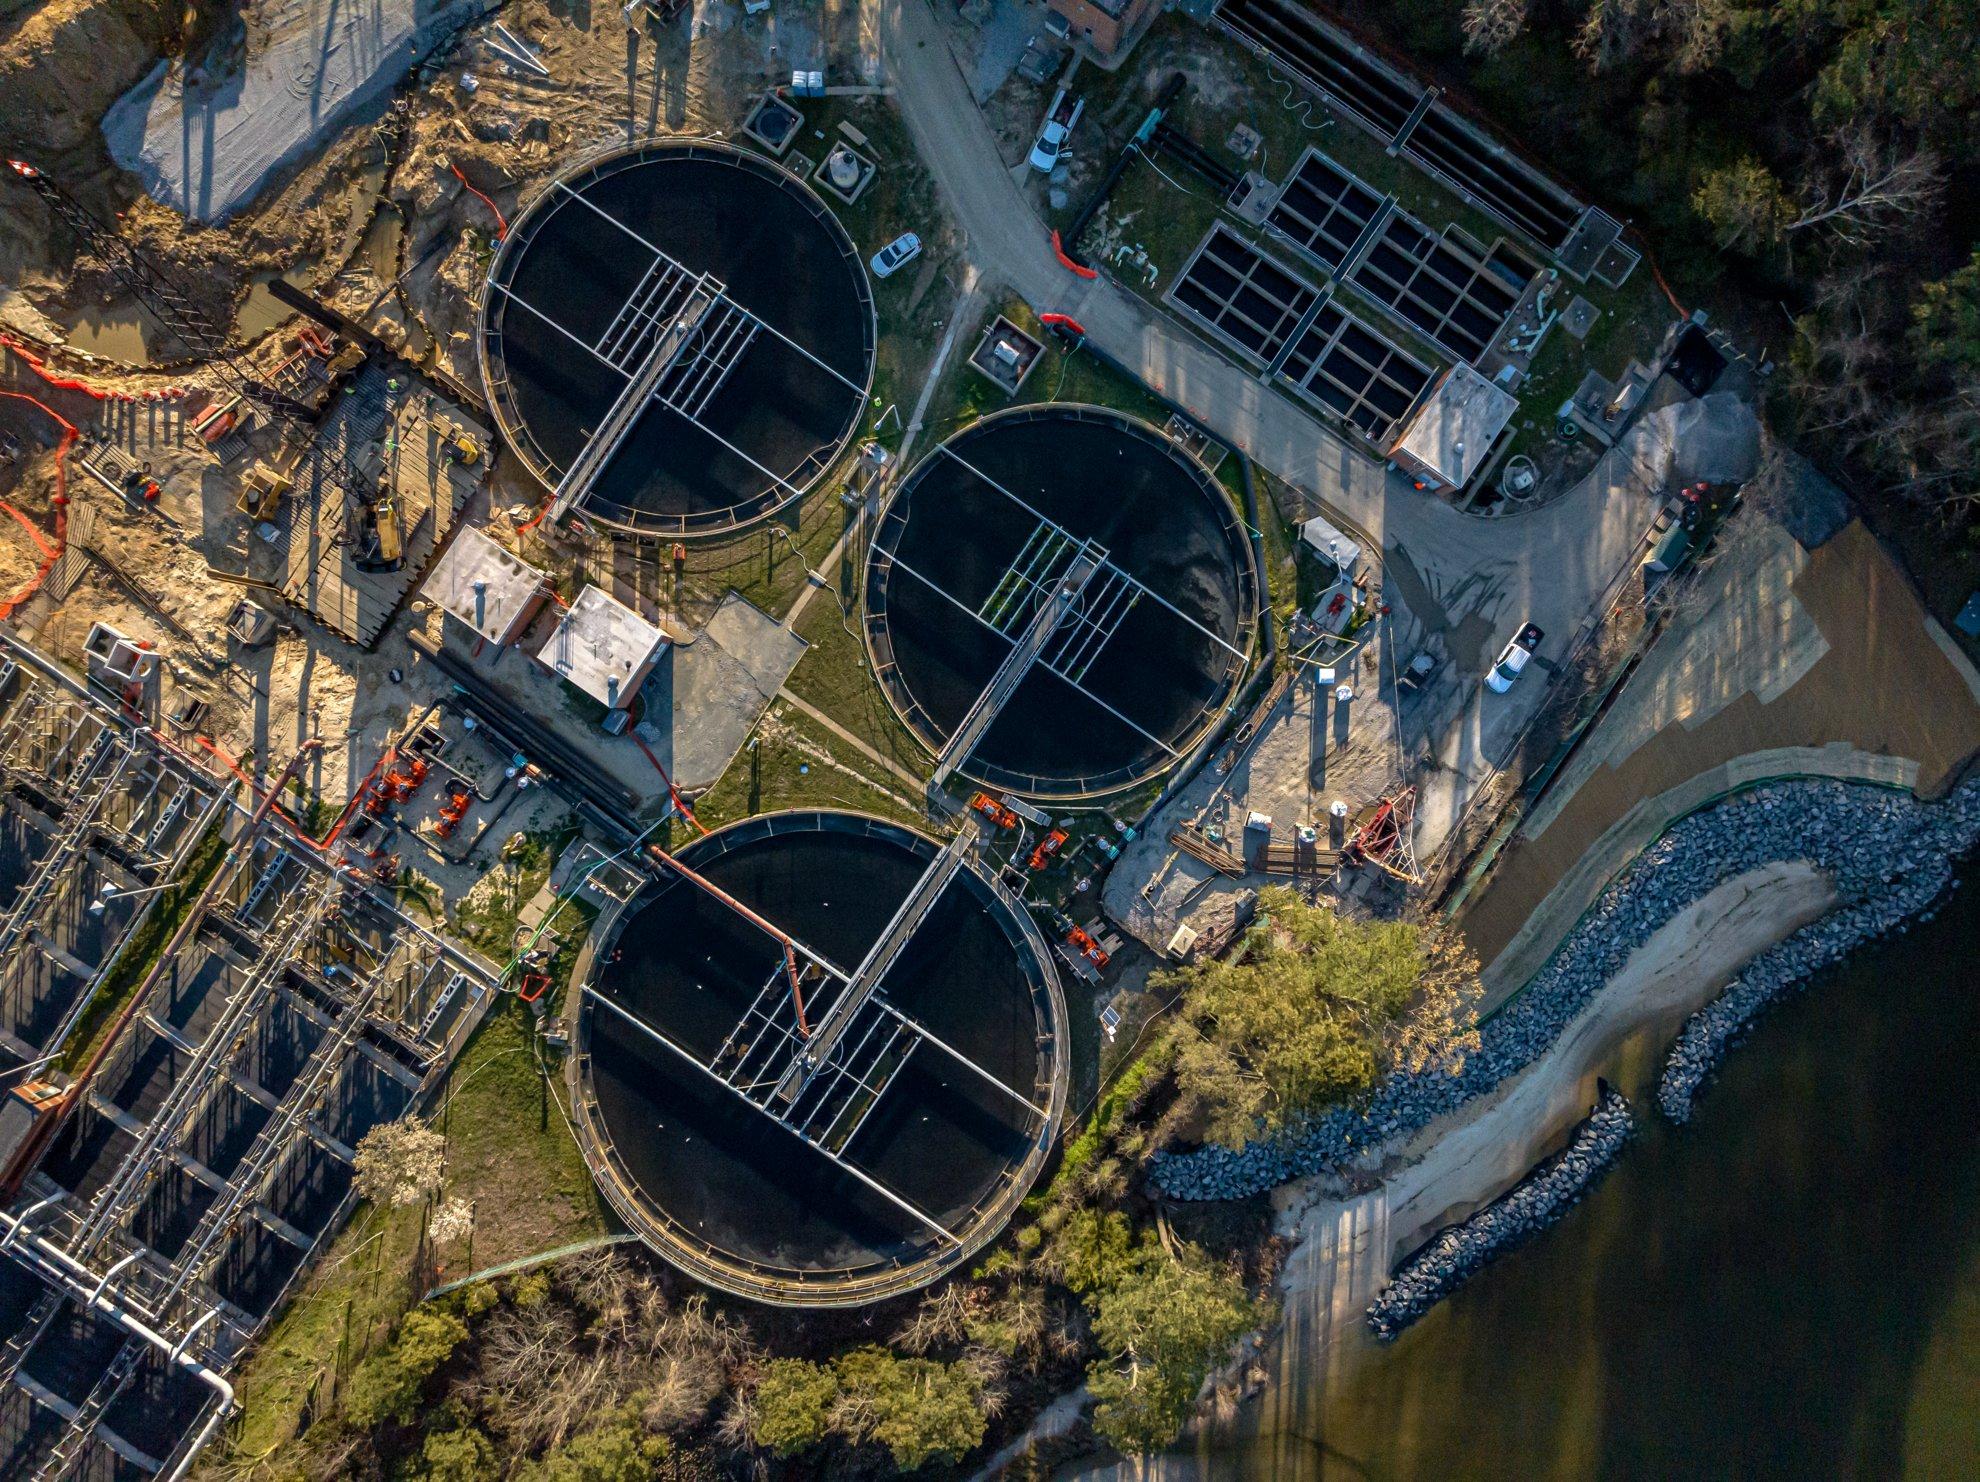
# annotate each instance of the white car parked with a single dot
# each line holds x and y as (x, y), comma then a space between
(902, 250)
(1512, 663)
(1059, 121)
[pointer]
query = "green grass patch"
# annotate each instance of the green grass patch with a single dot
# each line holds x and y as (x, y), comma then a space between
(834, 675)
(142, 948)
(509, 1150)
(792, 762)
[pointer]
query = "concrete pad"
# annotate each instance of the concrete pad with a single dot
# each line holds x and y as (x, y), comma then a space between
(207, 148)
(705, 697)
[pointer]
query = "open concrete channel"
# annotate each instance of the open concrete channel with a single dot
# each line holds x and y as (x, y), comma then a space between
(204, 1153)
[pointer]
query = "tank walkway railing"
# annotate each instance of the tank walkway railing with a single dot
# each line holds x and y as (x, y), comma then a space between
(1056, 611)
(859, 1175)
(908, 918)
(947, 769)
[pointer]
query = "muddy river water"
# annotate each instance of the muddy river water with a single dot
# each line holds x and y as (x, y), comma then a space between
(1788, 1287)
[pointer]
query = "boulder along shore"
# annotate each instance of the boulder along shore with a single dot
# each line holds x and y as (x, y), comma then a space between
(1889, 856)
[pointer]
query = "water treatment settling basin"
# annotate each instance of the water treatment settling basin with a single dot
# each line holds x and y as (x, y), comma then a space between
(820, 1059)
(677, 339)
(1060, 602)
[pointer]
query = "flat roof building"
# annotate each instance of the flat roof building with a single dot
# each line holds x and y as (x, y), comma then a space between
(1451, 436)
(1104, 25)
(604, 648)
(492, 593)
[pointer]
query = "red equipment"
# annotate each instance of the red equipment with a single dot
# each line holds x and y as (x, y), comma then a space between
(460, 799)
(1047, 847)
(993, 810)
(1088, 948)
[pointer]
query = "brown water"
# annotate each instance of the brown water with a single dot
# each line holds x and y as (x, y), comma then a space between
(1788, 1287)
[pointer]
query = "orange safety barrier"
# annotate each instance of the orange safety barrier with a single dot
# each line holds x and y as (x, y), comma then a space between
(60, 501)
(1059, 251)
(95, 393)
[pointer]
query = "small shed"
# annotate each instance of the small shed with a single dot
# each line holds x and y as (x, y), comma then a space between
(604, 648)
(480, 585)
(1451, 436)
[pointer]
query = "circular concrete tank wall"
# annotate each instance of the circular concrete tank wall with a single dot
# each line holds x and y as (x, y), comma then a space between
(972, 544)
(901, 1181)
(721, 265)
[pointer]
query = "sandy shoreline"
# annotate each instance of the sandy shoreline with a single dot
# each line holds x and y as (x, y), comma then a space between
(1344, 1248)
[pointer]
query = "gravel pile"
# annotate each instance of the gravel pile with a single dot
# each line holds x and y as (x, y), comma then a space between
(1543, 1196)
(1889, 854)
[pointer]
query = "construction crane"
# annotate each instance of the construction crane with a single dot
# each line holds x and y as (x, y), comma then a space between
(206, 340)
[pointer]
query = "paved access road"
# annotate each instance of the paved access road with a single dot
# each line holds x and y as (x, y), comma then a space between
(1474, 580)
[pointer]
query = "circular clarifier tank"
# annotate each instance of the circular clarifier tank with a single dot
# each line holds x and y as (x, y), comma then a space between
(681, 335)
(909, 1142)
(978, 545)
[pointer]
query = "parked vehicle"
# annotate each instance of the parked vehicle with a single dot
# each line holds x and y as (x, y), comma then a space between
(1059, 121)
(896, 254)
(1513, 661)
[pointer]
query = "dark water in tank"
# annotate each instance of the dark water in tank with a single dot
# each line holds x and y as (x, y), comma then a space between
(692, 967)
(778, 407)
(1787, 1288)
(1156, 675)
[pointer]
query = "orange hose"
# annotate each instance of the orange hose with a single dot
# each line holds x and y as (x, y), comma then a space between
(672, 792)
(501, 221)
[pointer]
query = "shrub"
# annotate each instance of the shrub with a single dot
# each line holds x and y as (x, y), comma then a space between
(388, 1385)
(793, 1405)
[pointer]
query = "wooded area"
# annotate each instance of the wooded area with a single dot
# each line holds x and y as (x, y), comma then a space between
(1804, 168)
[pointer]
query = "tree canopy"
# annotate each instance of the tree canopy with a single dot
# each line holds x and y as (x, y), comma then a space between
(1310, 1010)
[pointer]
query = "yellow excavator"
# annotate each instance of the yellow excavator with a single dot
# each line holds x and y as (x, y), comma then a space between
(263, 488)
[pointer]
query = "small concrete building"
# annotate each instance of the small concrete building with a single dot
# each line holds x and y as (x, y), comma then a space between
(1451, 436)
(491, 593)
(1104, 25)
(604, 648)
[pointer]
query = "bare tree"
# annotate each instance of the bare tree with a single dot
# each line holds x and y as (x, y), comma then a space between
(399, 1163)
(1491, 25)
(1692, 32)
(1878, 184)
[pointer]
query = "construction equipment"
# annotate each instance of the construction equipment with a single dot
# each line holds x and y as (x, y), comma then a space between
(205, 338)
(263, 487)
(377, 542)
(993, 810)
(1048, 846)
(1386, 840)
(1081, 941)
(461, 445)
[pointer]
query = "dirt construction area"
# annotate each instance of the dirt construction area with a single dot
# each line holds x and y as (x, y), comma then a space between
(1789, 661)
